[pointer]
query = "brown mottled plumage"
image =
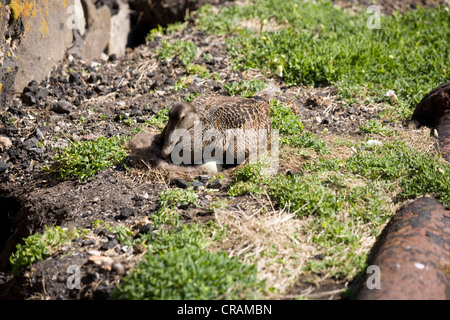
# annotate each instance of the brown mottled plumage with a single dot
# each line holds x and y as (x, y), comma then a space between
(225, 114)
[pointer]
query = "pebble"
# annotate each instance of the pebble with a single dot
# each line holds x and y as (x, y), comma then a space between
(28, 98)
(5, 143)
(110, 244)
(118, 268)
(62, 107)
(88, 243)
(371, 143)
(39, 134)
(125, 213)
(215, 184)
(4, 166)
(197, 184)
(180, 183)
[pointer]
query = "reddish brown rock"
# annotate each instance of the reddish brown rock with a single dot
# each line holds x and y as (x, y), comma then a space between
(413, 255)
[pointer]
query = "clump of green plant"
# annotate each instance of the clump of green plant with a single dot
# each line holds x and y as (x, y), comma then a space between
(84, 159)
(284, 120)
(176, 197)
(160, 31)
(178, 266)
(186, 51)
(376, 127)
(191, 96)
(290, 128)
(40, 246)
(159, 120)
(245, 88)
(198, 70)
(250, 178)
(417, 174)
(306, 140)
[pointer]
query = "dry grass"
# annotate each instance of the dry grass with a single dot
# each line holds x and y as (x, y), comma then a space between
(269, 238)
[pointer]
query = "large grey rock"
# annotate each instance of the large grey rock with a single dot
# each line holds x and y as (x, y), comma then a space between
(120, 28)
(96, 38)
(44, 41)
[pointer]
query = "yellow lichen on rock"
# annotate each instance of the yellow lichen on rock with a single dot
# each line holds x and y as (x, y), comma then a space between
(22, 8)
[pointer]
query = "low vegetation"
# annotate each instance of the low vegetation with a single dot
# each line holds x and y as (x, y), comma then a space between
(84, 159)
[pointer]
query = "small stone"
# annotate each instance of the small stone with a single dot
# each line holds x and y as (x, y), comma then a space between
(105, 262)
(371, 143)
(28, 98)
(61, 278)
(39, 134)
(42, 94)
(197, 184)
(88, 243)
(180, 183)
(125, 213)
(118, 268)
(110, 244)
(62, 107)
(215, 184)
(203, 178)
(435, 133)
(5, 143)
(30, 144)
(74, 78)
(4, 166)
(92, 79)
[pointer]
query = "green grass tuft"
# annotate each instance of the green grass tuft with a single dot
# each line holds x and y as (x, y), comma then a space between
(84, 159)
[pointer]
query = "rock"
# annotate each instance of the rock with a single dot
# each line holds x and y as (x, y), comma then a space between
(30, 144)
(4, 166)
(120, 29)
(125, 213)
(372, 143)
(105, 262)
(97, 34)
(118, 268)
(75, 78)
(44, 40)
(110, 244)
(88, 243)
(41, 94)
(5, 143)
(180, 183)
(215, 184)
(28, 98)
(197, 184)
(203, 178)
(62, 107)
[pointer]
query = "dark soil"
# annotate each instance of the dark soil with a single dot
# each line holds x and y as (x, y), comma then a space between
(98, 102)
